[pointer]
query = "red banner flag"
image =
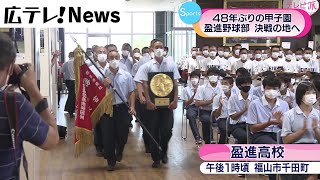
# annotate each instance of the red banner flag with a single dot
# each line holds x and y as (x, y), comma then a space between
(93, 100)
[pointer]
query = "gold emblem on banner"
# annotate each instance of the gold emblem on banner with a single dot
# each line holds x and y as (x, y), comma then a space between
(161, 85)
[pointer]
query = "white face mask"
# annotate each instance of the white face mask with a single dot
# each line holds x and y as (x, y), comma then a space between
(199, 57)
(125, 53)
(102, 57)
(243, 56)
(283, 87)
(194, 81)
(220, 53)
(158, 52)
(137, 55)
(271, 93)
(250, 56)
(309, 99)
(213, 79)
(225, 88)
(289, 57)
(194, 53)
(298, 57)
(114, 64)
(212, 53)
(264, 56)
(237, 52)
(226, 54)
(307, 56)
(275, 55)
(205, 53)
(258, 56)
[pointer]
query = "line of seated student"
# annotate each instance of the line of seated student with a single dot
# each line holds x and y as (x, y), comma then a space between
(271, 108)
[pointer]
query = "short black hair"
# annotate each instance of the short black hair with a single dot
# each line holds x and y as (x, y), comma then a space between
(237, 45)
(110, 46)
(286, 78)
(136, 49)
(195, 73)
(243, 80)
(144, 49)
(299, 49)
(153, 41)
(166, 48)
(273, 47)
(301, 90)
(71, 54)
(268, 73)
(244, 49)
(7, 51)
(229, 79)
(205, 46)
(214, 70)
(271, 81)
(308, 49)
(243, 71)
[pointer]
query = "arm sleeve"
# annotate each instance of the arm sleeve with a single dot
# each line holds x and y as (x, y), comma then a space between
(215, 104)
(252, 117)
(286, 125)
(231, 106)
(32, 127)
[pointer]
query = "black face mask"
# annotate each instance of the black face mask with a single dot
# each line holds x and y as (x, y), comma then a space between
(245, 89)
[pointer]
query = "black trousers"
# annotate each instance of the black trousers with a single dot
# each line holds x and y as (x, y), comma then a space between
(161, 124)
(71, 101)
(98, 141)
(145, 119)
(239, 131)
(115, 132)
(205, 119)
(222, 125)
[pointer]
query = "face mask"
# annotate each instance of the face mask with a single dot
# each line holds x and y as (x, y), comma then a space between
(258, 56)
(158, 52)
(275, 54)
(243, 56)
(199, 57)
(250, 56)
(309, 99)
(225, 88)
(264, 56)
(206, 52)
(271, 93)
(307, 56)
(137, 55)
(220, 53)
(283, 87)
(125, 53)
(280, 53)
(213, 79)
(114, 64)
(289, 57)
(298, 57)
(102, 57)
(194, 81)
(318, 54)
(245, 89)
(226, 54)
(237, 52)
(194, 53)
(152, 55)
(213, 53)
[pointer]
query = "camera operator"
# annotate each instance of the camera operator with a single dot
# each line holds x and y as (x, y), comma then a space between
(34, 122)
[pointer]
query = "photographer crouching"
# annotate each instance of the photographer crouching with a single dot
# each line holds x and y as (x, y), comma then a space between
(21, 120)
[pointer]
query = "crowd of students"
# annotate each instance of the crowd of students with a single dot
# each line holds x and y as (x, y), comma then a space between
(253, 95)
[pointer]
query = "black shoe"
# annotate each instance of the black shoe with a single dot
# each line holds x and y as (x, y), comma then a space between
(198, 140)
(164, 159)
(119, 157)
(156, 164)
(148, 150)
(72, 115)
(111, 167)
(99, 153)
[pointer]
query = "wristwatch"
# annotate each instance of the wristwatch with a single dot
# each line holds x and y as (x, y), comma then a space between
(42, 105)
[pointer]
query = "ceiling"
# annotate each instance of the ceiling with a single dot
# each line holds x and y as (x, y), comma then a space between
(152, 5)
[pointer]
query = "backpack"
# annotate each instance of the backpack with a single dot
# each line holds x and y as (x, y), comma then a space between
(11, 109)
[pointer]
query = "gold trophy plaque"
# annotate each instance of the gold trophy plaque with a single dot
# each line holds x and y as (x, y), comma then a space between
(161, 89)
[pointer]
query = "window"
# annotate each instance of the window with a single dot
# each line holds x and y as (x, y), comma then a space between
(140, 41)
(70, 45)
(75, 29)
(100, 41)
(119, 40)
(99, 30)
(124, 26)
(143, 23)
